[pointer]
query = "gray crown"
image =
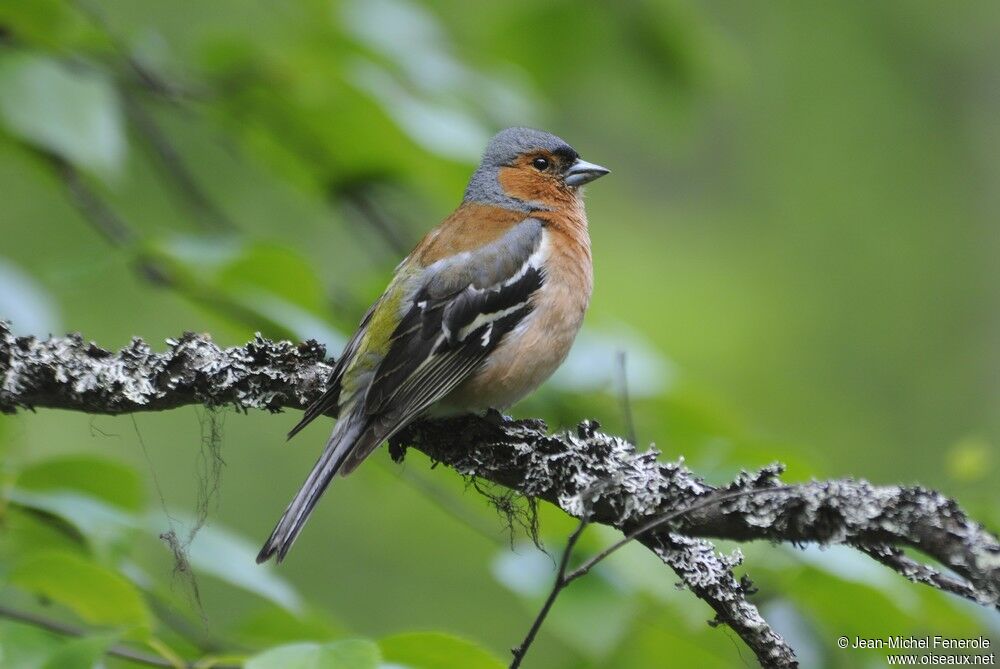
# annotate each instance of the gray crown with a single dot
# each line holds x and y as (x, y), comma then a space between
(503, 149)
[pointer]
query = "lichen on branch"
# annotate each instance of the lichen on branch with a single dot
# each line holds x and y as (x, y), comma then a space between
(584, 472)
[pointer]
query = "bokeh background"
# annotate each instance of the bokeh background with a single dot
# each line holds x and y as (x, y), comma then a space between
(796, 255)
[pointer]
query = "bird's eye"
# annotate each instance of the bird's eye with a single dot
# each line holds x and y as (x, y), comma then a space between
(540, 164)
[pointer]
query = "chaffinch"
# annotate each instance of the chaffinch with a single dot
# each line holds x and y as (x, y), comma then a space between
(482, 311)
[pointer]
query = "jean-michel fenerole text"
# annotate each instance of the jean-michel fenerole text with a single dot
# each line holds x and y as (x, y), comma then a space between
(921, 642)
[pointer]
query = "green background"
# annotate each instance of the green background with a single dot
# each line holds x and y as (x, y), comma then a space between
(797, 250)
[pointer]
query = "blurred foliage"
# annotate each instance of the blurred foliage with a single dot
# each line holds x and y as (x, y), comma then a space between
(796, 259)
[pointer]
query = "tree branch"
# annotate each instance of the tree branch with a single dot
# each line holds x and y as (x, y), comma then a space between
(632, 488)
(69, 373)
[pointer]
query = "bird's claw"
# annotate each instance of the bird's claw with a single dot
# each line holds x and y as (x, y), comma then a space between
(495, 418)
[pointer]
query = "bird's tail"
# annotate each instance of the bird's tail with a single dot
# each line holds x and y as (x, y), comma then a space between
(347, 436)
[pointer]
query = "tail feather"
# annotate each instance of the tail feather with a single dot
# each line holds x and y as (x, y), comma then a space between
(346, 438)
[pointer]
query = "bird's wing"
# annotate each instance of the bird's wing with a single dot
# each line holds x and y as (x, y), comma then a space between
(461, 311)
(329, 402)
(432, 349)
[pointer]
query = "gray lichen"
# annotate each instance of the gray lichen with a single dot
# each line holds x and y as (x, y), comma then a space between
(70, 373)
(583, 472)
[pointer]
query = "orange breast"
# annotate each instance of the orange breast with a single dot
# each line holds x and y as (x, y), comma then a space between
(531, 352)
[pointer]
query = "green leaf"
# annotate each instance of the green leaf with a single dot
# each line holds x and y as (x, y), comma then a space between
(347, 654)
(71, 112)
(25, 647)
(233, 264)
(276, 269)
(26, 532)
(434, 650)
(97, 477)
(82, 653)
(215, 551)
(96, 594)
(52, 23)
(272, 284)
(442, 128)
(680, 635)
(104, 526)
(439, 102)
(274, 625)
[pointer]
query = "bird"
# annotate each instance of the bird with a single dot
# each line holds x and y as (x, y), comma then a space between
(481, 312)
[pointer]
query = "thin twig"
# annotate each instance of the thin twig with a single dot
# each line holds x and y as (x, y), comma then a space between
(116, 650)
(560, 583)
(666, 518)
(91, 206)
(170, 160)
(563, 578)
(143, 75)
(168, 157)
(96, 211)
(358, 197)
(99, 214)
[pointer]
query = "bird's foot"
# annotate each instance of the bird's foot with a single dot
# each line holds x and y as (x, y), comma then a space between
(496, 418)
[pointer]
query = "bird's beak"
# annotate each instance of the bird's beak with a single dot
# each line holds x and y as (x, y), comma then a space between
(581, 172)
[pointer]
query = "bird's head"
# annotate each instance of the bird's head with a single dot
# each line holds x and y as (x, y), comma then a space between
(529, 170)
